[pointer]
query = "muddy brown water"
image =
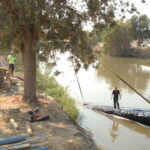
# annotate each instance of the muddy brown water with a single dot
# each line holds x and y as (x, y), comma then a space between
(97, 84)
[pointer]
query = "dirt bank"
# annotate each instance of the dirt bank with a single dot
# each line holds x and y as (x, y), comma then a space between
(62, 133)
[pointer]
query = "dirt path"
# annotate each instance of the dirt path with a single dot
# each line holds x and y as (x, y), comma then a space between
(63, 134)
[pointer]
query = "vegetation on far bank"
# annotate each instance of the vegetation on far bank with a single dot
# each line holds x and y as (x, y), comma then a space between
(50, 87)
(130, 38)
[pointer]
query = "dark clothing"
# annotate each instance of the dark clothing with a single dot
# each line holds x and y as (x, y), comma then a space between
(11, 68)
(116, 103)
(115, 94)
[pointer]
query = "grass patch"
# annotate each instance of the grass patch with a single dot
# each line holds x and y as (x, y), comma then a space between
(49, 86)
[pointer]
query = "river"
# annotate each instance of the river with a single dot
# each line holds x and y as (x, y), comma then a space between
(97, 84)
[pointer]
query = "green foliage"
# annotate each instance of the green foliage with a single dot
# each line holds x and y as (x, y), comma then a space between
(116, 41)
(138, 27)
(55, 25)
(49, 86)
(131, 25)
(46, 26)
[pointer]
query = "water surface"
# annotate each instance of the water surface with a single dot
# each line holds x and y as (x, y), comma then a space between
(97, 85)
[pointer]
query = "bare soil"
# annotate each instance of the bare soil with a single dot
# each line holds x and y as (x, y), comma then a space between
(63, 133)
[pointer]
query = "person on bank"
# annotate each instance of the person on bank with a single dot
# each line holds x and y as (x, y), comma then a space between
(116, 95)
(11, 61)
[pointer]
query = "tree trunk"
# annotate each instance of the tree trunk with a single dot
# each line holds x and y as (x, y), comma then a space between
(29, 72)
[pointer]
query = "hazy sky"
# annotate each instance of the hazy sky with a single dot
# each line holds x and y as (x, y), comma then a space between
(142, 8)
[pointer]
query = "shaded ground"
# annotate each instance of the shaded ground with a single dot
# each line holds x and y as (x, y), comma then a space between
(63, 134)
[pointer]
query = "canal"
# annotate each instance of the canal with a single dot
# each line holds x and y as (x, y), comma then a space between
(109, 132)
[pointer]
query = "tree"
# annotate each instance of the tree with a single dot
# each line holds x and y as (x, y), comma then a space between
(44, 26)
(116, 40)
(131, 25)
(139, 28)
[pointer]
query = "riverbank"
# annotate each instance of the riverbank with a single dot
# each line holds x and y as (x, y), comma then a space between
(131, 52)
(62, 132)
(48, 85)
(140, 52)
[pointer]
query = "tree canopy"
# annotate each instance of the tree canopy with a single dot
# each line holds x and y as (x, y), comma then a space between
(139, 27)
(46, 26)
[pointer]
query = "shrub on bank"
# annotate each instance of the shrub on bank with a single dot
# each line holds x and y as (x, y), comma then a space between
(49, 86)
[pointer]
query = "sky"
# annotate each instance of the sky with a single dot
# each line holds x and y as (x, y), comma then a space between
(142, 8)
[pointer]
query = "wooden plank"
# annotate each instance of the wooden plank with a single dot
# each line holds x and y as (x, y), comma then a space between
(14, 124)
(17, 147)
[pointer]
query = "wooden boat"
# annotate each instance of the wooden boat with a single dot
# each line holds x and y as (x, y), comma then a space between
(139, 115)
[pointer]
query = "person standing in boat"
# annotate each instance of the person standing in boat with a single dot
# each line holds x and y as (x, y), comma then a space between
(116, 95)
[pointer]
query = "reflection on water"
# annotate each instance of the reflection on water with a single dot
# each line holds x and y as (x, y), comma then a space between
(113, 131)
(97, 85)
(115, 134)
(132, 70)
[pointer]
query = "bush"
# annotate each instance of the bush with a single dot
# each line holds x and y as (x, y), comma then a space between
(49, 86)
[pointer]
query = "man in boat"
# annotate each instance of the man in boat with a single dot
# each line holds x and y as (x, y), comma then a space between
(116, 94)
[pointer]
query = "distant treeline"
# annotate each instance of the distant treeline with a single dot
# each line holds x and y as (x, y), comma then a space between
(125, 38)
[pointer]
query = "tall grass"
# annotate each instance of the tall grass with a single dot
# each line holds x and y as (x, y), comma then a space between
(49, 86)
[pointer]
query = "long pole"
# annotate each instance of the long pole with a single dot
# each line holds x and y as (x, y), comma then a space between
(79, 86)
(148, 101)
(78, 82)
